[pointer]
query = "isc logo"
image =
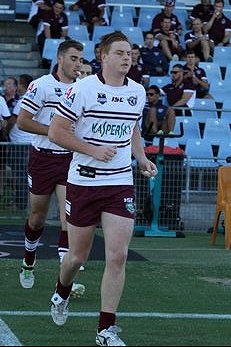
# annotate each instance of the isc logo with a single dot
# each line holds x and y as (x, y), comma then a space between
(117, 99)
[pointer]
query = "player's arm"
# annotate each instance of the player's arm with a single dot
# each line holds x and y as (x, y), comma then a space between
(61, 133)
(147, 167)
(26, 122)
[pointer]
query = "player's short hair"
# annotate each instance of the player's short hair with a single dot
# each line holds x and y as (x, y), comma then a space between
(65, 45)
(107, 40)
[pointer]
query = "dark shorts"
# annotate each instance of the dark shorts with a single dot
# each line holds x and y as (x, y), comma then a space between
(84, 205)
(46, 171)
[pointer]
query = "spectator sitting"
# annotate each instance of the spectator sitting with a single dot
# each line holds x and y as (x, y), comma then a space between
(180, 93)
(203, 11)
(167, 13)
(197, 75)
(169, 41)
(219, 26)
(199, 42)
(153, 60)
(37, 10)
(136, 69)
(157, 118)
(94, 12)
(96, 62)
(10, 94)
(55, 24)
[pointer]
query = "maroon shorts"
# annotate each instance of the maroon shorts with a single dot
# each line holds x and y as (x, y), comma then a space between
(46, 170)
(84, 204)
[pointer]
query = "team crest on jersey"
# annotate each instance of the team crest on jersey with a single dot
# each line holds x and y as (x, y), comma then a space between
(58, 92)
(132, 100)
(102, 99)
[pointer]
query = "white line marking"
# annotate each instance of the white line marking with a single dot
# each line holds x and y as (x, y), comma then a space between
(7, 338)
(218, 316)
(176, 249)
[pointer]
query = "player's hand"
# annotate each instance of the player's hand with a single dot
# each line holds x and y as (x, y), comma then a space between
(149, 169)
(105, 153)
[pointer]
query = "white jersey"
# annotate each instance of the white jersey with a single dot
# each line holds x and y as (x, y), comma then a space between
(104, 115)
(41, 100)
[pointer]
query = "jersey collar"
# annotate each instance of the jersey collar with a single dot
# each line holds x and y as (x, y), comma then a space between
(101, 78)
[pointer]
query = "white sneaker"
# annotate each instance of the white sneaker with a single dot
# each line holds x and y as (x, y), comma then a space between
(26, 275)
(109, 337)
(77, 290)
(59, 309)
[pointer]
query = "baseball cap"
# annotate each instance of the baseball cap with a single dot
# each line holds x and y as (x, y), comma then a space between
(169, 3)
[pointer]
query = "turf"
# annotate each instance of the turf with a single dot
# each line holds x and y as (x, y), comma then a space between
(179, 276)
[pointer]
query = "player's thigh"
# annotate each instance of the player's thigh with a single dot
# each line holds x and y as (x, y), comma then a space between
(117, 231)
(80, 239)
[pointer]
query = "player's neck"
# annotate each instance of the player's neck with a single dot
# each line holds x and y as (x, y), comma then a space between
(114, 80)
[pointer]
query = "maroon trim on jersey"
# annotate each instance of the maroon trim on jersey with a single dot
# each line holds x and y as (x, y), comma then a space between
(101, 78)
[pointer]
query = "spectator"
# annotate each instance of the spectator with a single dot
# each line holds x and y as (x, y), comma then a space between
(169, 41)
(96, 62)
(94, 12)
(197, 75)
(4, 113)
(85, 70)
(200, 42)
(180, 93)
(17, 136)
(167, 12)
(203, 11)
(55, 24)
(218, 26)
(153, 60)
(136, 70)
(157, 118)
(37, 10)
(10, 93)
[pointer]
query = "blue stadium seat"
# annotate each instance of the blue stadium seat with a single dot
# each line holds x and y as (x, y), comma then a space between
(213, 71)
(88, 51)
(134, 34)
(222, 55)
(121, 20)
(160, 81)
(73, 17)
(125, 10)
(220, 90)
(100, 31)
(226, 111)
(228, 72)
(200, 153)
(191, 130)
(224, 151)
(78, 32)
(215, 130)
(145, 18)
(50, 48)
(203, 109)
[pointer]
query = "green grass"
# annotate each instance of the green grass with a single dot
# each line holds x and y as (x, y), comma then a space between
(181, 276)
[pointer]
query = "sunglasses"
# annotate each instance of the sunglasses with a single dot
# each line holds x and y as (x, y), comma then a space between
(174, 72)
(151, 94)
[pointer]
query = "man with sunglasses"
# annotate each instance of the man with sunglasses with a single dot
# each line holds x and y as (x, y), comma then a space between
(157, 118)
(181, 92)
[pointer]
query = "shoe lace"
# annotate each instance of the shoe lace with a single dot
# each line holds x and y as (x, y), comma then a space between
(114, 330)
(27, 273)
(62, 307)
